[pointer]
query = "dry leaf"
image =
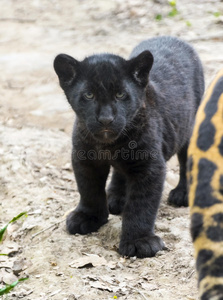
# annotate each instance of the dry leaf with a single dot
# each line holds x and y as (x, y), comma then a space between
(112, 264)
(68, 176)
(10, 248)
(108, 279)
(149, 286)
(67, 167)
(100, 285)
(12, 228)
(90, 277)
(89, 261)
(55, 293)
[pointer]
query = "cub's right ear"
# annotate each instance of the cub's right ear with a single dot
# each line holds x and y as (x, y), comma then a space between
(66, 68)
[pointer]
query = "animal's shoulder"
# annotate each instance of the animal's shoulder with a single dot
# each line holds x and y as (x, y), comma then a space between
(163, 45)
(205, 178)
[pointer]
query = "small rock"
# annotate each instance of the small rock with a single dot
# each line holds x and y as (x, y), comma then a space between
(18, 266)
(7, 277)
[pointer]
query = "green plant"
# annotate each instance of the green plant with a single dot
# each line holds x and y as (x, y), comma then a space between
(8, 287)
(158, 17)
(2, 231)
(188, 23)
(174, 10)
(217, 14)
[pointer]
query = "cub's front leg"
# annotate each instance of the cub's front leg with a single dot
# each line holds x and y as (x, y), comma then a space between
(144, 191)
(91, 212)
(116, 193)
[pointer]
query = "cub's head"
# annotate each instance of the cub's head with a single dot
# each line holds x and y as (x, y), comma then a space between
(105, 91)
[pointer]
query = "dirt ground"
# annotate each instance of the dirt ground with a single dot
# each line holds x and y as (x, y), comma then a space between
(35, 147)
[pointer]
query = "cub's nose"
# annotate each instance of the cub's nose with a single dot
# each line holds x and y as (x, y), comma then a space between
(105, 120)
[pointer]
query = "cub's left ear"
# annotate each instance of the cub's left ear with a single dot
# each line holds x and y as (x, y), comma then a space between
(140, 66)
(66, 68)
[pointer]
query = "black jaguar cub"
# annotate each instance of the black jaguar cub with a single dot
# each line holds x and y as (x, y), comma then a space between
(132, 115)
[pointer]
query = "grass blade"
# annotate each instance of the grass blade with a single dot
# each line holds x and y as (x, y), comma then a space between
(9, 287)
(2, 231)
(18, 217)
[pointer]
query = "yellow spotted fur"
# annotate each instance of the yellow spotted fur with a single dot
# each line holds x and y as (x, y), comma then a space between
(213, 155)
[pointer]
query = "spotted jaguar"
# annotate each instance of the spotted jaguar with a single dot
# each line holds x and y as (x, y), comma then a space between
(205, 182)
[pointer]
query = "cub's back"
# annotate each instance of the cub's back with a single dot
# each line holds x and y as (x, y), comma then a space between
(177, 70)
(177, 77)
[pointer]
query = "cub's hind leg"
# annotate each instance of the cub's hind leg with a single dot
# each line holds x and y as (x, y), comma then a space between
(178, 196)
(116, 193)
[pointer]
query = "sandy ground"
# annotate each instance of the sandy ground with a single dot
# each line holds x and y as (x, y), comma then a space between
(35, 147)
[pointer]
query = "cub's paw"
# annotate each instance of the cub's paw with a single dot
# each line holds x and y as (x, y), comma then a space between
(115, 204)
(144, 247)
(178, 197)
(80, 222)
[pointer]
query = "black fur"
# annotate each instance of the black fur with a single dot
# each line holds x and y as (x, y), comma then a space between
(132, 115)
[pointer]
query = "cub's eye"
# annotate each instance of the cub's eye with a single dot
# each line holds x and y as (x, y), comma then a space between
(89, 96)
(120, 96)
